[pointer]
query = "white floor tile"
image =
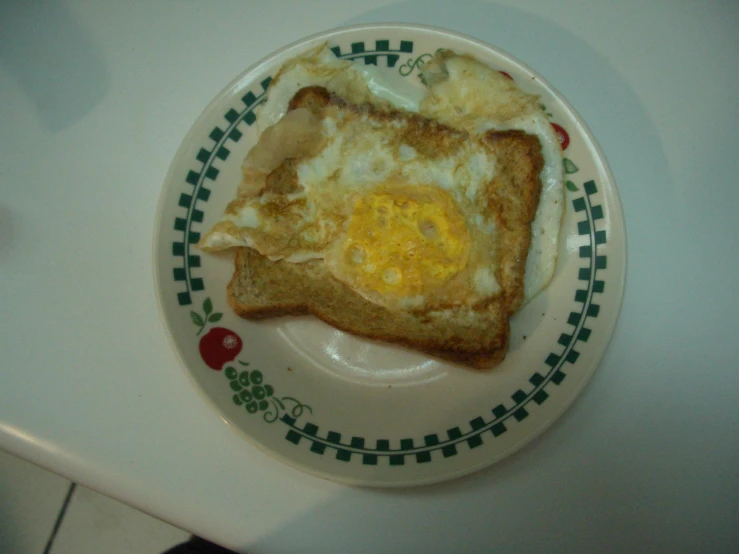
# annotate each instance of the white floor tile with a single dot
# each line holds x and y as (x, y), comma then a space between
(30, 500)
(95, 523)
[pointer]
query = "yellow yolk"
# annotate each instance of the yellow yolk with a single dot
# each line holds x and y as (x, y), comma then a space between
(404, 243)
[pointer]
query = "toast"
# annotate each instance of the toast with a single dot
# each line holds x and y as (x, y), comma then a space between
(261, 289)
(473, 335)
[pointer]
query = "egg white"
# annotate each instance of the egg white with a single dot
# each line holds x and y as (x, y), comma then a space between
(462, 93)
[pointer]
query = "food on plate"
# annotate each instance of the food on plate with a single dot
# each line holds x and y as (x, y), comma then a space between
(424, 220)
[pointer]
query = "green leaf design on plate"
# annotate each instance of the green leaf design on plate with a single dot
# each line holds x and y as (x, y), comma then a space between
(209, 317)
(570, 166)
(571, 186)
(196, 319)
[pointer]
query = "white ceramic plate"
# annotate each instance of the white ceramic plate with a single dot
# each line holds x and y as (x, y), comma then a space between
(362, 412)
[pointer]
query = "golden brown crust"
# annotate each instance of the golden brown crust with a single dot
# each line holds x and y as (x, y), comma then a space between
(284, 179)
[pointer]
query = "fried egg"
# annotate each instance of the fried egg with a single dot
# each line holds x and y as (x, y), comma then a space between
(403, 227)
(398, 219)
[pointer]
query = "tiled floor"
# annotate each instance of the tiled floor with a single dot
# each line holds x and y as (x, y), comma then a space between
(42, 513)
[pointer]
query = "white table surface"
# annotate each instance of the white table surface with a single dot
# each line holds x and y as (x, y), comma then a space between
(95, 98)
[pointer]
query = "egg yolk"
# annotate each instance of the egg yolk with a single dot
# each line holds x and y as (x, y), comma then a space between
(404, 244)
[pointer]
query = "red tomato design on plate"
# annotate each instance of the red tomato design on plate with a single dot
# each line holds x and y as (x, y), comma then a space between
(219, 346)
(562, 136)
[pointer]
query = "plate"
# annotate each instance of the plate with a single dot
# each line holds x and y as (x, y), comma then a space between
(357, 411)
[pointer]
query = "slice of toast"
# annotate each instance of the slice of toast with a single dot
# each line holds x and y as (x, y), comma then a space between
(476, 335)
(261, 288)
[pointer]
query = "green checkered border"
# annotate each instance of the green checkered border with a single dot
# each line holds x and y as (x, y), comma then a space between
(382, 49)
(198, 181)
(395, 452)
(481, 428)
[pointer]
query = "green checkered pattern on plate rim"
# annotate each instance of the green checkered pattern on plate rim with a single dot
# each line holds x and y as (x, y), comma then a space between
(449, 442)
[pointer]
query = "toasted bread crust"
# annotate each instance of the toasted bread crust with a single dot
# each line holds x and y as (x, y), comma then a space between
(513, 196)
